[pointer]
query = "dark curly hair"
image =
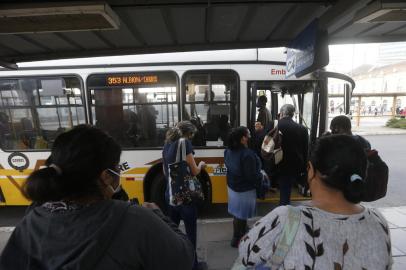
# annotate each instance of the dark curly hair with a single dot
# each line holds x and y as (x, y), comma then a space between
(342, 162)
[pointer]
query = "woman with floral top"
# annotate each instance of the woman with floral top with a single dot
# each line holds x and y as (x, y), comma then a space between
(335, 231)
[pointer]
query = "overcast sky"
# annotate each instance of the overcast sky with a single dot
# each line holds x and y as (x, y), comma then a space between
(344, 58)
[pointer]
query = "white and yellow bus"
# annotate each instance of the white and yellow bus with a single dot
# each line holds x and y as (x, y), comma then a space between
(137, 101)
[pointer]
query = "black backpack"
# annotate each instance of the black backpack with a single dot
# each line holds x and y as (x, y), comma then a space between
(376, 181)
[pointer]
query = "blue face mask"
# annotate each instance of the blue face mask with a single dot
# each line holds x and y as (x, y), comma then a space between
(118, 188)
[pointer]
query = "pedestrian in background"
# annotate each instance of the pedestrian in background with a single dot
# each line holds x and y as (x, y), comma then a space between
(334, 231)
(342, 125)
(243, 176)
(264, 115)
(77, 225)
(185, 212)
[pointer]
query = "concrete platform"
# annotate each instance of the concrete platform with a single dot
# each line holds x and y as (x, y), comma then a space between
(214, 239)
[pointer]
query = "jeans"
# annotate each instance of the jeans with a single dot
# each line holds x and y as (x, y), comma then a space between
(187, 213)
(285, 187)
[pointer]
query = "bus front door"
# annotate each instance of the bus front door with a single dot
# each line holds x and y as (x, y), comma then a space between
(302, 95)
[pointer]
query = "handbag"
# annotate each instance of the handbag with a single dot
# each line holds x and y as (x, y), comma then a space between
(184, 188)
(263, 187)
(282, 248)
(271, 149)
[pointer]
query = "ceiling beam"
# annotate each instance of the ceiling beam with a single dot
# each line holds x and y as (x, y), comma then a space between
(124, 18)
(394, 30)
(207, 24)
(69, 41)
(252, 10)
(167, 16)
(34, 42)
(11, 49)
(372, 27)
(204, 3)
(8, 65)
(341, 13)
(108, 43)
(367, 39)
(282, 19)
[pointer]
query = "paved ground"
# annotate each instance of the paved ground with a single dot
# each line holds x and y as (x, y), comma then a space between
(214, 239)
(374, 130)
(392, 149)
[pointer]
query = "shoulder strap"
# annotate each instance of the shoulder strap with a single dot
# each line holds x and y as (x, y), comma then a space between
(178, 156)
(288, 236)
(181, 151)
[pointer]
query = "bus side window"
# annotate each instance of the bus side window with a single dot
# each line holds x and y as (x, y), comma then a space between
(211, 104)
(36, 110)
(136, 109)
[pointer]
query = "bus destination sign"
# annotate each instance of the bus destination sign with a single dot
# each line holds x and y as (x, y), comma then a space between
(131, 79)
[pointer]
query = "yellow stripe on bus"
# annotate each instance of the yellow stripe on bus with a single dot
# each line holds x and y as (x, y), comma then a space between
(12, 194)
(11, 172)
(140, 170)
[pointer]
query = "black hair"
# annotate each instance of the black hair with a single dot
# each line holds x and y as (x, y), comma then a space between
(342, 123)
(234, 138)
(262, 100)
(77, 159)
(339, 158)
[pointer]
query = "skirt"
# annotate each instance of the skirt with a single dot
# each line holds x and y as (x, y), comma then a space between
(242, 205)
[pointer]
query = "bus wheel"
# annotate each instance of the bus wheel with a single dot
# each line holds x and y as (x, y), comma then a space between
(157, 191)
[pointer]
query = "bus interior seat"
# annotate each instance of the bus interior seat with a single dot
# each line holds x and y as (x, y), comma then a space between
(28, 132)
(212, 131)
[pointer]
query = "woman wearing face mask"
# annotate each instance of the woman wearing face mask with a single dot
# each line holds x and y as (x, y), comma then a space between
(334, 231)
(76, 224)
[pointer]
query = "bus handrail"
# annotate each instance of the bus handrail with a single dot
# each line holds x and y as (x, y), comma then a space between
(336, 75)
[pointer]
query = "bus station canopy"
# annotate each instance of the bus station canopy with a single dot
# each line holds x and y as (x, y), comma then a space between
(41, 30)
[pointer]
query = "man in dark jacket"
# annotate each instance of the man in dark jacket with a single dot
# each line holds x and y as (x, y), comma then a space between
(342, 125)
(295, 141)
(264, 115)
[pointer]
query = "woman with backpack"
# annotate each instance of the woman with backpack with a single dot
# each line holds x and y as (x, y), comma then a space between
(334, 231)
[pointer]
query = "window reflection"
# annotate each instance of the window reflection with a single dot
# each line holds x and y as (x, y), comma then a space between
(211, 104)
(138, 115)
(36, 110)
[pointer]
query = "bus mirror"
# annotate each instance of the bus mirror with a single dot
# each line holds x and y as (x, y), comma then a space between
(347, 98)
